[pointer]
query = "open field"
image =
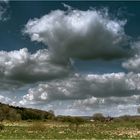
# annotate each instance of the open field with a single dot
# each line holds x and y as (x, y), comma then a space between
(117, 129)
(26, 123)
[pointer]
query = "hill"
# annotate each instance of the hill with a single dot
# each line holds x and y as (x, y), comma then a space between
(8, 112)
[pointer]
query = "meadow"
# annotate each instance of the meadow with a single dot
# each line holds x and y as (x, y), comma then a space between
(27, 123)
(116, 129)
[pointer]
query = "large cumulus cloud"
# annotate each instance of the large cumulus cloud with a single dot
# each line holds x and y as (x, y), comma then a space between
(79, 34)
(23, 66)
(83, 87)
(111, 94)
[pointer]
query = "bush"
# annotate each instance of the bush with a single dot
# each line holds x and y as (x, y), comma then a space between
(74, 122)
(138, 126)
(99, 117)
(70, 119)
(126, 118)
(7, 113)
(1, 127)
(13, 115)
(37, 126)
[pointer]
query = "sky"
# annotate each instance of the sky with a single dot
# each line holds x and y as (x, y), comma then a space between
(73, 57)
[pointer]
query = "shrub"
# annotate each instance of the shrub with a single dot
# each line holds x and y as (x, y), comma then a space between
(99, 117)
(1, 127)
(138, 126)
(70, 119)
(13, 115)
(37, 126)
(126, 118)
(74, 122)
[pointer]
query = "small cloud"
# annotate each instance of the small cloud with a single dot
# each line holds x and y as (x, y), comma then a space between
(133, 63)
(67, 6)
(3, 10)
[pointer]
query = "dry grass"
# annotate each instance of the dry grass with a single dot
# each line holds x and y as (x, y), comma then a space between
(62, 130)
(37, 126)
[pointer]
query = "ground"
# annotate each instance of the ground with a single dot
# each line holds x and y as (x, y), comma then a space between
(61, 130)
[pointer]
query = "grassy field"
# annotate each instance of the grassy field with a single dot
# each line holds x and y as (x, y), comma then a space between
(62, 130)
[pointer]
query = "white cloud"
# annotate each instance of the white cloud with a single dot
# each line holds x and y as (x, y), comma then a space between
(113, 101)
(26, 67)
(6, 1)
(9, 85)
(84, 87)
(133, 64)
(79, 34)
(72, 34)
(112, 106)
(3, 10)
(6, 100)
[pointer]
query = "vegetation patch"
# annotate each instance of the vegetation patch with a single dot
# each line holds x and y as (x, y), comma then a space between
(36, 124)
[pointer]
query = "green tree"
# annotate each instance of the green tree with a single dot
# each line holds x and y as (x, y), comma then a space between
(98, 117)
